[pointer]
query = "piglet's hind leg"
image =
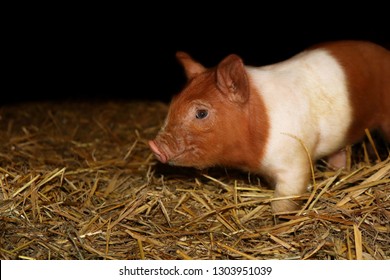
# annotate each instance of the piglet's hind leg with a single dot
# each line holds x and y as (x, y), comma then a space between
(338, 160)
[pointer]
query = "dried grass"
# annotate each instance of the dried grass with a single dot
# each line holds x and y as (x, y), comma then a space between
(77, 181)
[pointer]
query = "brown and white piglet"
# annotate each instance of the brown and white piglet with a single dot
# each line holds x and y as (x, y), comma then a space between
(267, 119)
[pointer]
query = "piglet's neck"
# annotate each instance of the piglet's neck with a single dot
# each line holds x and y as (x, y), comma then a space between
(250, 135)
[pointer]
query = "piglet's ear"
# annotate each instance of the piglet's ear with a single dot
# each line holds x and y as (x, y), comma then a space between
(232, 79)
(191, 67)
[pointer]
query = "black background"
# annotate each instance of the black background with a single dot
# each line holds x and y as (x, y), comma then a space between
(125, 53)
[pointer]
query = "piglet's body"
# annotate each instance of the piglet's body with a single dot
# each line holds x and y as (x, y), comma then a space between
(267, 119)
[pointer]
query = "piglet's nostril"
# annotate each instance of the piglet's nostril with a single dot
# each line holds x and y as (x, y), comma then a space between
(160, 155)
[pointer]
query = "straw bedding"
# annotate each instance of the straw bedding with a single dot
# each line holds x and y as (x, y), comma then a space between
(77, 181)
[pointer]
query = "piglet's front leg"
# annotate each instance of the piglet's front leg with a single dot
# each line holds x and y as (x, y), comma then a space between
(290, 181)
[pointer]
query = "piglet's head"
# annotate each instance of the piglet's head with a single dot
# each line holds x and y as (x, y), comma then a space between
(208, 121)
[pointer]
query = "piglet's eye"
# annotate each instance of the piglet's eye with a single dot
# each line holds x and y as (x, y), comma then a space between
(201, 114)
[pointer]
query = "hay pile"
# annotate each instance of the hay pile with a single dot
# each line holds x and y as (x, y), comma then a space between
(77, 181)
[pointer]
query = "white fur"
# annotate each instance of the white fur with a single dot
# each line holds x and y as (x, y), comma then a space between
(307, 104)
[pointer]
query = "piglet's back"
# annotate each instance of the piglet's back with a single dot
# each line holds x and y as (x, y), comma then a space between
(367, 71)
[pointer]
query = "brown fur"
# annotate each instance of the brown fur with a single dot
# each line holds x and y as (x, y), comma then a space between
(217, 140)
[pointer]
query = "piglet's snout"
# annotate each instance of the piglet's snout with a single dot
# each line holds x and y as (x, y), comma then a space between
(158, 153)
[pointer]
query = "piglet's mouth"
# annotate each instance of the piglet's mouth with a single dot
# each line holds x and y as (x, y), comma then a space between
(157, 152)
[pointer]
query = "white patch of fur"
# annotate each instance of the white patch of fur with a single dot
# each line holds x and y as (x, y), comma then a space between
(306, 96)
(307, 99)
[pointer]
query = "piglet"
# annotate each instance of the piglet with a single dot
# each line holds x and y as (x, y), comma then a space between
(275, 120)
